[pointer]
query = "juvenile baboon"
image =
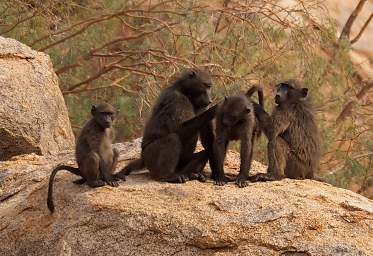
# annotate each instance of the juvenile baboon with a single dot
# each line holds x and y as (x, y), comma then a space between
(235, 120)
(171, 133)
(293, 137)
(94, 154)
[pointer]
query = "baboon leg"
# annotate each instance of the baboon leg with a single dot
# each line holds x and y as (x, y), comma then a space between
(91, 172)
(80, 181)
(295, 169)
(115, 160)
(277, 158)
(161, 157)
(106, 170)
(193, 169)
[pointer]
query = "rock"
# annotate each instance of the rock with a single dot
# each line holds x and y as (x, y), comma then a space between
(145, 217)
(33, 114)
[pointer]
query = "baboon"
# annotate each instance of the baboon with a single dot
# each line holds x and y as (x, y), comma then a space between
(235, 120)
(172, 130)
(94, 154)
(293, 137)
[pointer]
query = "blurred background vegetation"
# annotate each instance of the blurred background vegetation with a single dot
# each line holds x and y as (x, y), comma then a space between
(125, 52)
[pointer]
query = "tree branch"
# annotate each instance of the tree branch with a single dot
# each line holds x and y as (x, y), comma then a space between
(362, 29)
(347, 27)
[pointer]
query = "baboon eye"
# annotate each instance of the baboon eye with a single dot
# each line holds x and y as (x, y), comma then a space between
(207, 85)
(192, 73)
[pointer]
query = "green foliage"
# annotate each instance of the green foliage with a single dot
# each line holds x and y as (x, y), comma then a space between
(247, 47)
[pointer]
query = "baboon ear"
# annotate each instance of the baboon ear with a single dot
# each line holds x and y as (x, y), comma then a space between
(192, 73)
(304, 92)
(93, 109)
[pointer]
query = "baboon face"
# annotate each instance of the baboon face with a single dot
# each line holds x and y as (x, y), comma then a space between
(287, 93)
(234, 110)
(103, 114)
(196, 86)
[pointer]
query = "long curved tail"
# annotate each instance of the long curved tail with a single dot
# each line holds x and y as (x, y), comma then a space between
(249, 93)
(135, 165)
(259, 90)
(51, 179)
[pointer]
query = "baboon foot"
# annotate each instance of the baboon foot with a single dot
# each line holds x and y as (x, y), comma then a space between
(221, 180)
(197, 176)
(121, 175)
(112, 181)
(175, 178)
(242, 182)
(96, 183)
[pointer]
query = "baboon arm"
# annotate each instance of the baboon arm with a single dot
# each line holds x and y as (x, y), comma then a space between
(279, 125)
(219, 151)
(93, 144)
(112, 135)
(195, 124)
(245, 155)
(264, 119)
(207, 139)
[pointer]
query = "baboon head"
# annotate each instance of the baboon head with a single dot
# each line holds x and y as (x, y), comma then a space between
(196, 84)
(103, 114)
(234, 110)
(290, 92)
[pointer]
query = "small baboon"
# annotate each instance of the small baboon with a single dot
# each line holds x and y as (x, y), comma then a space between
(171, 133)
(293, 137)
(94, 153)
(235, 120)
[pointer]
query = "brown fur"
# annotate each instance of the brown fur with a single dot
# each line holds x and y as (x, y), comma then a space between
(293, 137)
(235, 120)
(172, 130)
(94, 154)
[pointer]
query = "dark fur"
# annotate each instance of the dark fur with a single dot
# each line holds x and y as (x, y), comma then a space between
(293, 137)
(171, 132)
(235, 120)
(94, 154)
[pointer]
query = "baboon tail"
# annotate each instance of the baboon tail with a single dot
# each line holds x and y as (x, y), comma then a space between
(253, 89)
(73, 170)
(249, 93)
(135, 165)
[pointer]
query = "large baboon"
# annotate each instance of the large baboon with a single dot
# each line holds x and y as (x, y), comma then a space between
(94, 153)
(293, 138)
(171, 132)
(235, 120)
